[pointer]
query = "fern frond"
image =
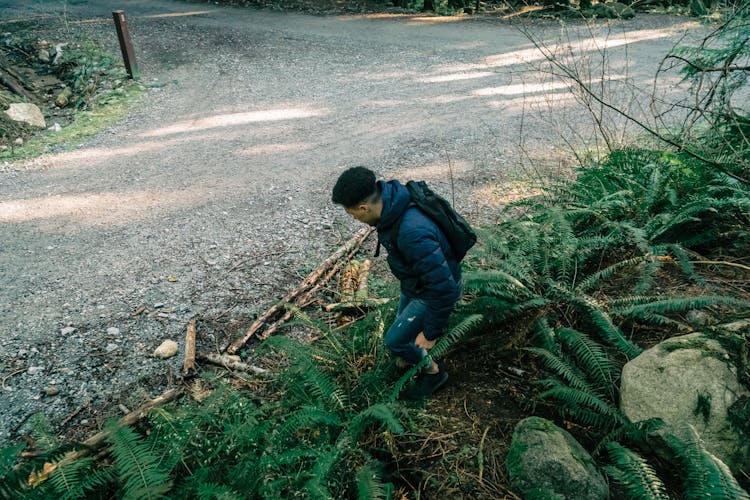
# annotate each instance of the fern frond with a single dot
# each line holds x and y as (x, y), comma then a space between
(379, 413)
(678, 304)
(370, 485)
(591, 358)
(324, 388)
(563, 368)
(135, 464)
(496, 283)
(587, 407)
(594, 279)
(648, 276)
(546, 335)
(605, 327)
(467, 326)
(635, 474)
(304, 418)
(705, 476)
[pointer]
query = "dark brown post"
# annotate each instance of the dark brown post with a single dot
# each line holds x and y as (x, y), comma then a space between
(126, 44)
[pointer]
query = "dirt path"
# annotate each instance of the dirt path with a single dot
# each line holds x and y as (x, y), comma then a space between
(214, 192)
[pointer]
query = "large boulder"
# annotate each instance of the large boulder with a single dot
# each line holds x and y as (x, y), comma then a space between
(688, 380)
(26, 112)
(545, 461)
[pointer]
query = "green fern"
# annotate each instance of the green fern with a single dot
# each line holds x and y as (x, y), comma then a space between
(305, 418)
(654, 311)
(704, 476)
(370, 485)
(563, 368)
(379, 413)
(604, 326)
(592, 359)
(635, 474)
(135, 464)
(587, 407)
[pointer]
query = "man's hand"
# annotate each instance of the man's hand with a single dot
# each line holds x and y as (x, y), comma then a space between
(421, 341)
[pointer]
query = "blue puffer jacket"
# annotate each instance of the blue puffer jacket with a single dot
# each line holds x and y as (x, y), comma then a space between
(423, 261)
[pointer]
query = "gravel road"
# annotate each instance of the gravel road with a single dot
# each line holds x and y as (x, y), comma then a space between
(212, 197)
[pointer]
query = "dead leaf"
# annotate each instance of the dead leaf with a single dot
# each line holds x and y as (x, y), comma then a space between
(37, 479)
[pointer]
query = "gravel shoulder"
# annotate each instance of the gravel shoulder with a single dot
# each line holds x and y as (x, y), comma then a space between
(212, 197)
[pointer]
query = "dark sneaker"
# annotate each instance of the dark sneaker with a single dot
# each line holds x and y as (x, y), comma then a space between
(426, 384)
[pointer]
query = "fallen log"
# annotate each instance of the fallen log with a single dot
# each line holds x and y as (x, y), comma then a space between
(230, 364)
(188, 365)
(353, 244)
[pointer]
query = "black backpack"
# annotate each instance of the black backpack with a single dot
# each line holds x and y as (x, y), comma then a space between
(456, 229)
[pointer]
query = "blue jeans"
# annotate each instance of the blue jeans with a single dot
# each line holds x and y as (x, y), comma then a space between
(399, 338)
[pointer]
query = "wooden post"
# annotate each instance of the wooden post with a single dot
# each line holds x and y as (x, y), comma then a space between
(126, 44)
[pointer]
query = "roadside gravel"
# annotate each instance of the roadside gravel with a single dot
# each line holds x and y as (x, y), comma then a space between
(212, 197)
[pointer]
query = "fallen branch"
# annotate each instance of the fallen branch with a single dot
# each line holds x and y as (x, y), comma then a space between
(362, 292)
(97, 439)
(356, 304)
(304, 286)
(720, 263)
(188, 365)
(230, 364)
(309, 297)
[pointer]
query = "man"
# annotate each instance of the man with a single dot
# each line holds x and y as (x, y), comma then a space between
(422, 260)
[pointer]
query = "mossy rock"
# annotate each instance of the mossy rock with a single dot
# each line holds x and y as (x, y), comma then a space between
(545, 461)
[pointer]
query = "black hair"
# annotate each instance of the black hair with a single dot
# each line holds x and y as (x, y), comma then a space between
(355, 184)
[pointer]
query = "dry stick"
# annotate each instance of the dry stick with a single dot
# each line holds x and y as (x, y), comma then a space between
(720, 263)
(309, 296)
(229, 363)
(314, 276)
(188, 364)
(362, 292)
(98, 439)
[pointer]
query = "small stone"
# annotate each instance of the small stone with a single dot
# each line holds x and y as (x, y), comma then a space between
(84, 421)
(18, 141)
(167, 349)
(113, 331)
(67, 330)
(43, 55)
(35, 370)
(63, 98)
(158, 305)
(51, 391)
(55, 128)
(111, 347)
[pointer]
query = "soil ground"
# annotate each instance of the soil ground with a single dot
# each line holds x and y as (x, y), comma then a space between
(211, 199)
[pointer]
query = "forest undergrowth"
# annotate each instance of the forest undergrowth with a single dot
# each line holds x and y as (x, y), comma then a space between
(566, 288)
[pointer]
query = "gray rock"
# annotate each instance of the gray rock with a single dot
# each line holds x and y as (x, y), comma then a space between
(111, 347)
(545, 461)
(28, 113)
(35, 370)
(699, 319)
(51, 391)
(113, 331)
(67, 330)
(688, 380)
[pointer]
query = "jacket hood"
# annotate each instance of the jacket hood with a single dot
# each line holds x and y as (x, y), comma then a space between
(396, 199)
